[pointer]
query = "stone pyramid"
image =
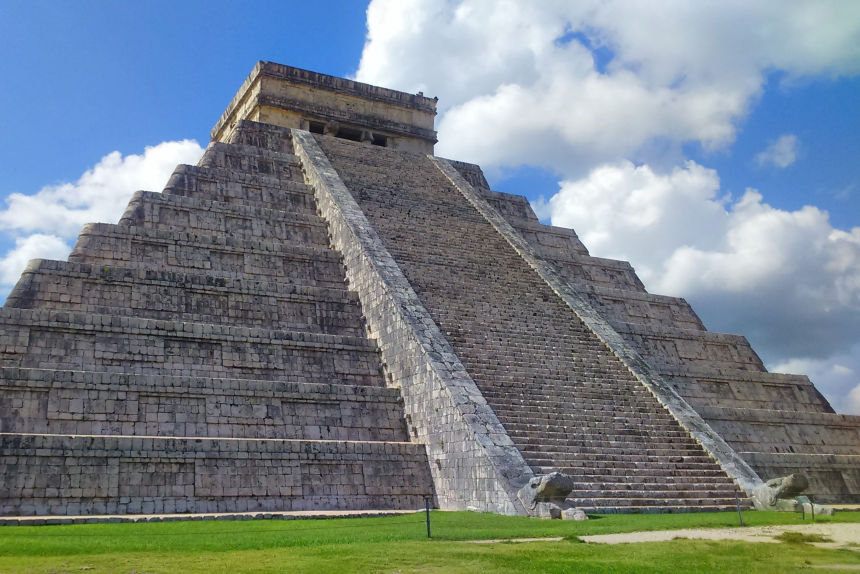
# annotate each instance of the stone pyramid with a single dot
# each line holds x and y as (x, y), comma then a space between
(323, 315)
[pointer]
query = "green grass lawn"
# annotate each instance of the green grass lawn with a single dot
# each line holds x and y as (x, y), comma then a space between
(399, 544)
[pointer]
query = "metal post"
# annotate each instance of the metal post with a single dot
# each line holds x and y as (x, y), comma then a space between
(811, 508)
(738, 504)
(427, 513)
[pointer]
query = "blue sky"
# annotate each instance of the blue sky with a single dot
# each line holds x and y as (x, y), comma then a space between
(86, 78)
(714, 145)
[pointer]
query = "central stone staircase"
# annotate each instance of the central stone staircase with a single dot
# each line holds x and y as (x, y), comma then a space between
(567, 402)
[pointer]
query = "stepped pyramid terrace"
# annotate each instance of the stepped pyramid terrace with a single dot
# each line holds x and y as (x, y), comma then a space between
(323, 315)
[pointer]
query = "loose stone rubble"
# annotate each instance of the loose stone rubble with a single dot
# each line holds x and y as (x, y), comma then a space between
(321, 316)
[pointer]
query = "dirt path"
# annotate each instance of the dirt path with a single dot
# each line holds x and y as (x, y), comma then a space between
(841, 534)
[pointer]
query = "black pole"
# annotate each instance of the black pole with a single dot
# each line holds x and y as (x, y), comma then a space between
(811, 508)
(738, 504)
(427, 513)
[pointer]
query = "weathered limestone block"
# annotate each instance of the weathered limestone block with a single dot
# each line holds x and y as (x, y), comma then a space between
(582, 270)
(55, 474)
(250, 160)
(666, 347)
(735, 388)
(264, 136)
(626, 306)
(175, 212)
(36, 338)
(91, 403)
(229, 186)
(199, 298)
(780, 494)
(107, 245)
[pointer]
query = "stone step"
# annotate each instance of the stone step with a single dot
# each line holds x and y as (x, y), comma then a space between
(660, 483)
(617, 463)
(733, 387)
(777, 416)
(599, 441)
(197, 215)
(266, 136)
(106, 245)
(784, 431)
(546, 240)
(527, 426)
(85, 402)
(601, 444)
(233, 187)
(591, 463)
(589, 408)
(628, 474)
(62, 474)
(664, 345)
(214, 239)
(640, 306)
(595, 403)
(514, 208)
(596, 432)
(591, 448)
(251, 160)
(196, 298)
(65, 340)
(553, 375)
(646, 496)
(570, 425)
(661, 509)
(582, 270)
(613, 506)
(572, 391)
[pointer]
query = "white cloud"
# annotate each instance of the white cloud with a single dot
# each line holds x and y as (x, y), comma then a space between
(518, 81)
(629, 212)
(43, 225)
(100, 194)
(781, 152)
(35, 246)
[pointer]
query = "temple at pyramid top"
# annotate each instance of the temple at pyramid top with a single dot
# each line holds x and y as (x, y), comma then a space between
(294, 98)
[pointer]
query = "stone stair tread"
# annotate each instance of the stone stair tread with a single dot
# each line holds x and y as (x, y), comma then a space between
(188, 298)
(176, 212)
(240, 188)
(138, 440)
(195, 280)
(176, 384)
(206, 205)
(209, 239)
(226, 176)
(85, 321)
(217, 149)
